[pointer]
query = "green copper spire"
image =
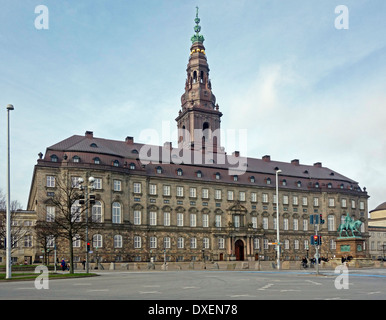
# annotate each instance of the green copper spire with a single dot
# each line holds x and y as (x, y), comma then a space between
(197, 28)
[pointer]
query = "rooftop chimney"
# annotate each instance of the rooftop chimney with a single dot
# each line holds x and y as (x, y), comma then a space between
(89, 134)
(318, 164)
(129, 140)
(266, 158)
(295, 162)
(236, 153)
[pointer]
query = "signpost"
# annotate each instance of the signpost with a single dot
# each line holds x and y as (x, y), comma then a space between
(316, 239)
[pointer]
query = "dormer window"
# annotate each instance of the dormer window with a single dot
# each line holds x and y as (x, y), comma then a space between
(268, 181)
(179, 172)
(284, 182)
(252, 179)
(235, 178)
(75, 159)
(132, 166)
(199, 174)
(93, 145)
(159, 169)
(299, 184)
(217, 176)
(54, 158)
(329, 185)
(317, 185)
(97, 160)
(116, 163)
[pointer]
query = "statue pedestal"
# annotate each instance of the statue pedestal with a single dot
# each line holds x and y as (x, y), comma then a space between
(350, 246)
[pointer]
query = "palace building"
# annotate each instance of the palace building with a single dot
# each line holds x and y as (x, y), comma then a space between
(194, 201)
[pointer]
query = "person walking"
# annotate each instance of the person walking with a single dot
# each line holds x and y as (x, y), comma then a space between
(63, 264)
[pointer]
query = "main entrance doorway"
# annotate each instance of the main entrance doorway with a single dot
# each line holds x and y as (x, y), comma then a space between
(239, 250)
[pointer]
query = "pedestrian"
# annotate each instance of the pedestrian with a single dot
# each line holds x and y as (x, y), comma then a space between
(84, 264)
(63, 264)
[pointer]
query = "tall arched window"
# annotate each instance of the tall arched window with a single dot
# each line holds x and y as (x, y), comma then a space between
(96, 212)
(116, 214)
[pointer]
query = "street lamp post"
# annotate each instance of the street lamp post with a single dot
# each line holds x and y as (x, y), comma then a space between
(277, 219)
(8, 213)
(91, 187)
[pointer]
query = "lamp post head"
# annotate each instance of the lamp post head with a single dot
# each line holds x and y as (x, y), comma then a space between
(10, 107)
(278, 171)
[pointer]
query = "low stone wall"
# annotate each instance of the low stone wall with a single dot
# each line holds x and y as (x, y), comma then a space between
(229, 265)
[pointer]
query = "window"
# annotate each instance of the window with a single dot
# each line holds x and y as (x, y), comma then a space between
(137, 217)
(252, 179)
(230, 195)
(296, 244)
(284, 182)
(299, 184)
(193, 243)
(166, 190)
(159, 169)
(286, 244)
(75, 159)
(205, 193)
(331, 223)
(76, 212)
(316, 202)
(117, 185)
(193, 218)
(221, 243)
(50, 214)
(97, 160)
(98, 183)
(117, 241)
(295, 200)
(218, 221)
(265, 197)
(235, 178)
(344, 203)
(205, 243)
(217, 194)
(205, 220)
(116, 163)
(180, 191)
(180, 219)
(331, 202)
(153, 218)
(242, 195)
(50, 181)
(268, 181)
(152, 189)
(97, 241)
(296, 224)
(96, 212)
(285, 223)
(199, 174)
(137, 242)
(137, 187)
(27, 241)
(353, 204)
(75, 242)
(265, 242)
(305, 225)
(179, 172)
(192, 192)
(153, 242)
(116, 216)
(180, 243)
(132, 166)
(285, 199)
(253, 197)
(167, 243)
(166, 218)
(265, 222)
(361, 205)
(256, 243)
(217, 176)
(54, 158)
(254, 222)
(304, 201)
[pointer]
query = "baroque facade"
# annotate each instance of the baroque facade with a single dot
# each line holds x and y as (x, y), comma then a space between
(195, 201)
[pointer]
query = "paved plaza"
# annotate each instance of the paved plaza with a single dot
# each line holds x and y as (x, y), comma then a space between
(363, 284)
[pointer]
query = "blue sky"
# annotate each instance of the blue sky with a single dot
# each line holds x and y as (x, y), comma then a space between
(279, 69)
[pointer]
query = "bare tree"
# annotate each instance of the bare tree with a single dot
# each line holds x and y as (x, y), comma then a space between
(18, 230)
(68, 221)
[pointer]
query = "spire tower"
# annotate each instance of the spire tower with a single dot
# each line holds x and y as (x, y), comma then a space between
(198, 120)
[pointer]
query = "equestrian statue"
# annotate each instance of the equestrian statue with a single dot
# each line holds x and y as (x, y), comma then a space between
(349, 224)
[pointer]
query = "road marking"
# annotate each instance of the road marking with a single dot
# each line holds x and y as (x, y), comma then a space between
(82, 284)
(313, 282)
(190, 287)
(148, 292)
(98, 290)
(240, 295)
(266, 286)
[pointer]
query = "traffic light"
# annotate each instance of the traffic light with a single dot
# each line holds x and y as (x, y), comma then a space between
(321, 219)
(320, 240)
(88, 246)
(316, 240)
